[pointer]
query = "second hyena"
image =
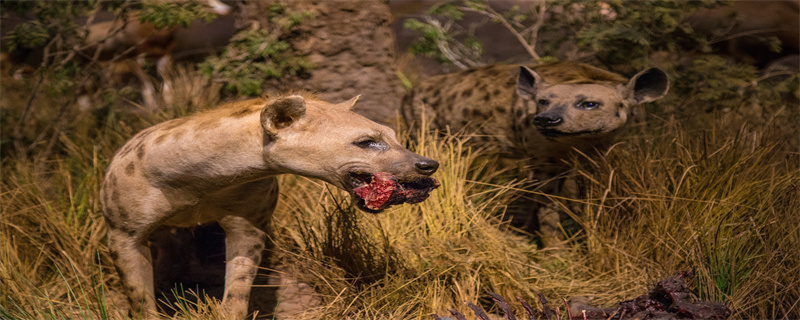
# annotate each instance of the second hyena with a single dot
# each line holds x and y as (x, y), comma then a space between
(544, 114)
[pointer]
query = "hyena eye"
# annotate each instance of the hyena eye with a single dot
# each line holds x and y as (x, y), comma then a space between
(371, 143)
(365, 143)
(543, 102)
(589, 105)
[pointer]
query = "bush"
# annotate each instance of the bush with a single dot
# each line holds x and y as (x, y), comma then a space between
(258, 54)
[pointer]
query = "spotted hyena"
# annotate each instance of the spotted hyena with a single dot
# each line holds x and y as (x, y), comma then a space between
(220, 166)
(544, 114)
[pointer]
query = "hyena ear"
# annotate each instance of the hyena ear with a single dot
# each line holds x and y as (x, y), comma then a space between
(282, 113)
(350, 103)
(648, 85)
(527, 83)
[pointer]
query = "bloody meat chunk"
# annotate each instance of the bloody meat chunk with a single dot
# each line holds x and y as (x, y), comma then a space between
(384, 190)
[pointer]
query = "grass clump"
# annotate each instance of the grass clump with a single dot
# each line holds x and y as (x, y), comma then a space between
(718, 200)
(411, 259)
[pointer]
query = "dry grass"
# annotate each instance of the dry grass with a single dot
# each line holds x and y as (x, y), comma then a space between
(721, 201)
(715, 196)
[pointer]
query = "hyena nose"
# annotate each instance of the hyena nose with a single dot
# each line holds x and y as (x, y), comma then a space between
(427, 167)
(546, 121)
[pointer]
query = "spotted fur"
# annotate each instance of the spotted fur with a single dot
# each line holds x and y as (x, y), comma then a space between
(544, 114)
(220, 166)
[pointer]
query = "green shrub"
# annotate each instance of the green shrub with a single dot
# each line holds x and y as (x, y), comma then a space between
(255, 55)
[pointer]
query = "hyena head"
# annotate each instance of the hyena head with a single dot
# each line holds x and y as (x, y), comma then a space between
(585, 109)
(330, 142)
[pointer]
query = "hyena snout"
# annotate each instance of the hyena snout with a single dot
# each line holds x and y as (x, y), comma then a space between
(546, 120)
(426, 166)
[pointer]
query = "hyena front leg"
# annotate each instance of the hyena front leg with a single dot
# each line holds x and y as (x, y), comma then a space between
(133, 262)
(553, 213)
(244, 245)
(549, 210)
(550, 225)
(572, 193)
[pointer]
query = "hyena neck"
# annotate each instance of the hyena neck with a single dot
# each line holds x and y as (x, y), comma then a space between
(560, 151)
(213, 158)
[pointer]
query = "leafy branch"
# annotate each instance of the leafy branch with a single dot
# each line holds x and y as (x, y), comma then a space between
(462, 54)
(256, 54)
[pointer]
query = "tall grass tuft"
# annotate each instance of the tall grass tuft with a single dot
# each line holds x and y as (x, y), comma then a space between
(53, 254)
(54, 263)
(721, 201)
(448, 241)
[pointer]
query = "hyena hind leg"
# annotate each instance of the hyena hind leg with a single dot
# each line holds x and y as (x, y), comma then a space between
(133, 262)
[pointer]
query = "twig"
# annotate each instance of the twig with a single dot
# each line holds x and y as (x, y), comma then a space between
(56, 124)
(614, 314)
(536, 26)
(509, 314)
(491, 13)
(457, 314)
(545, 307)
(442, 44)
(558, 313)
(528, 308)
(21, 150)
(771, 74)
(479, 313)
(743, 34)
